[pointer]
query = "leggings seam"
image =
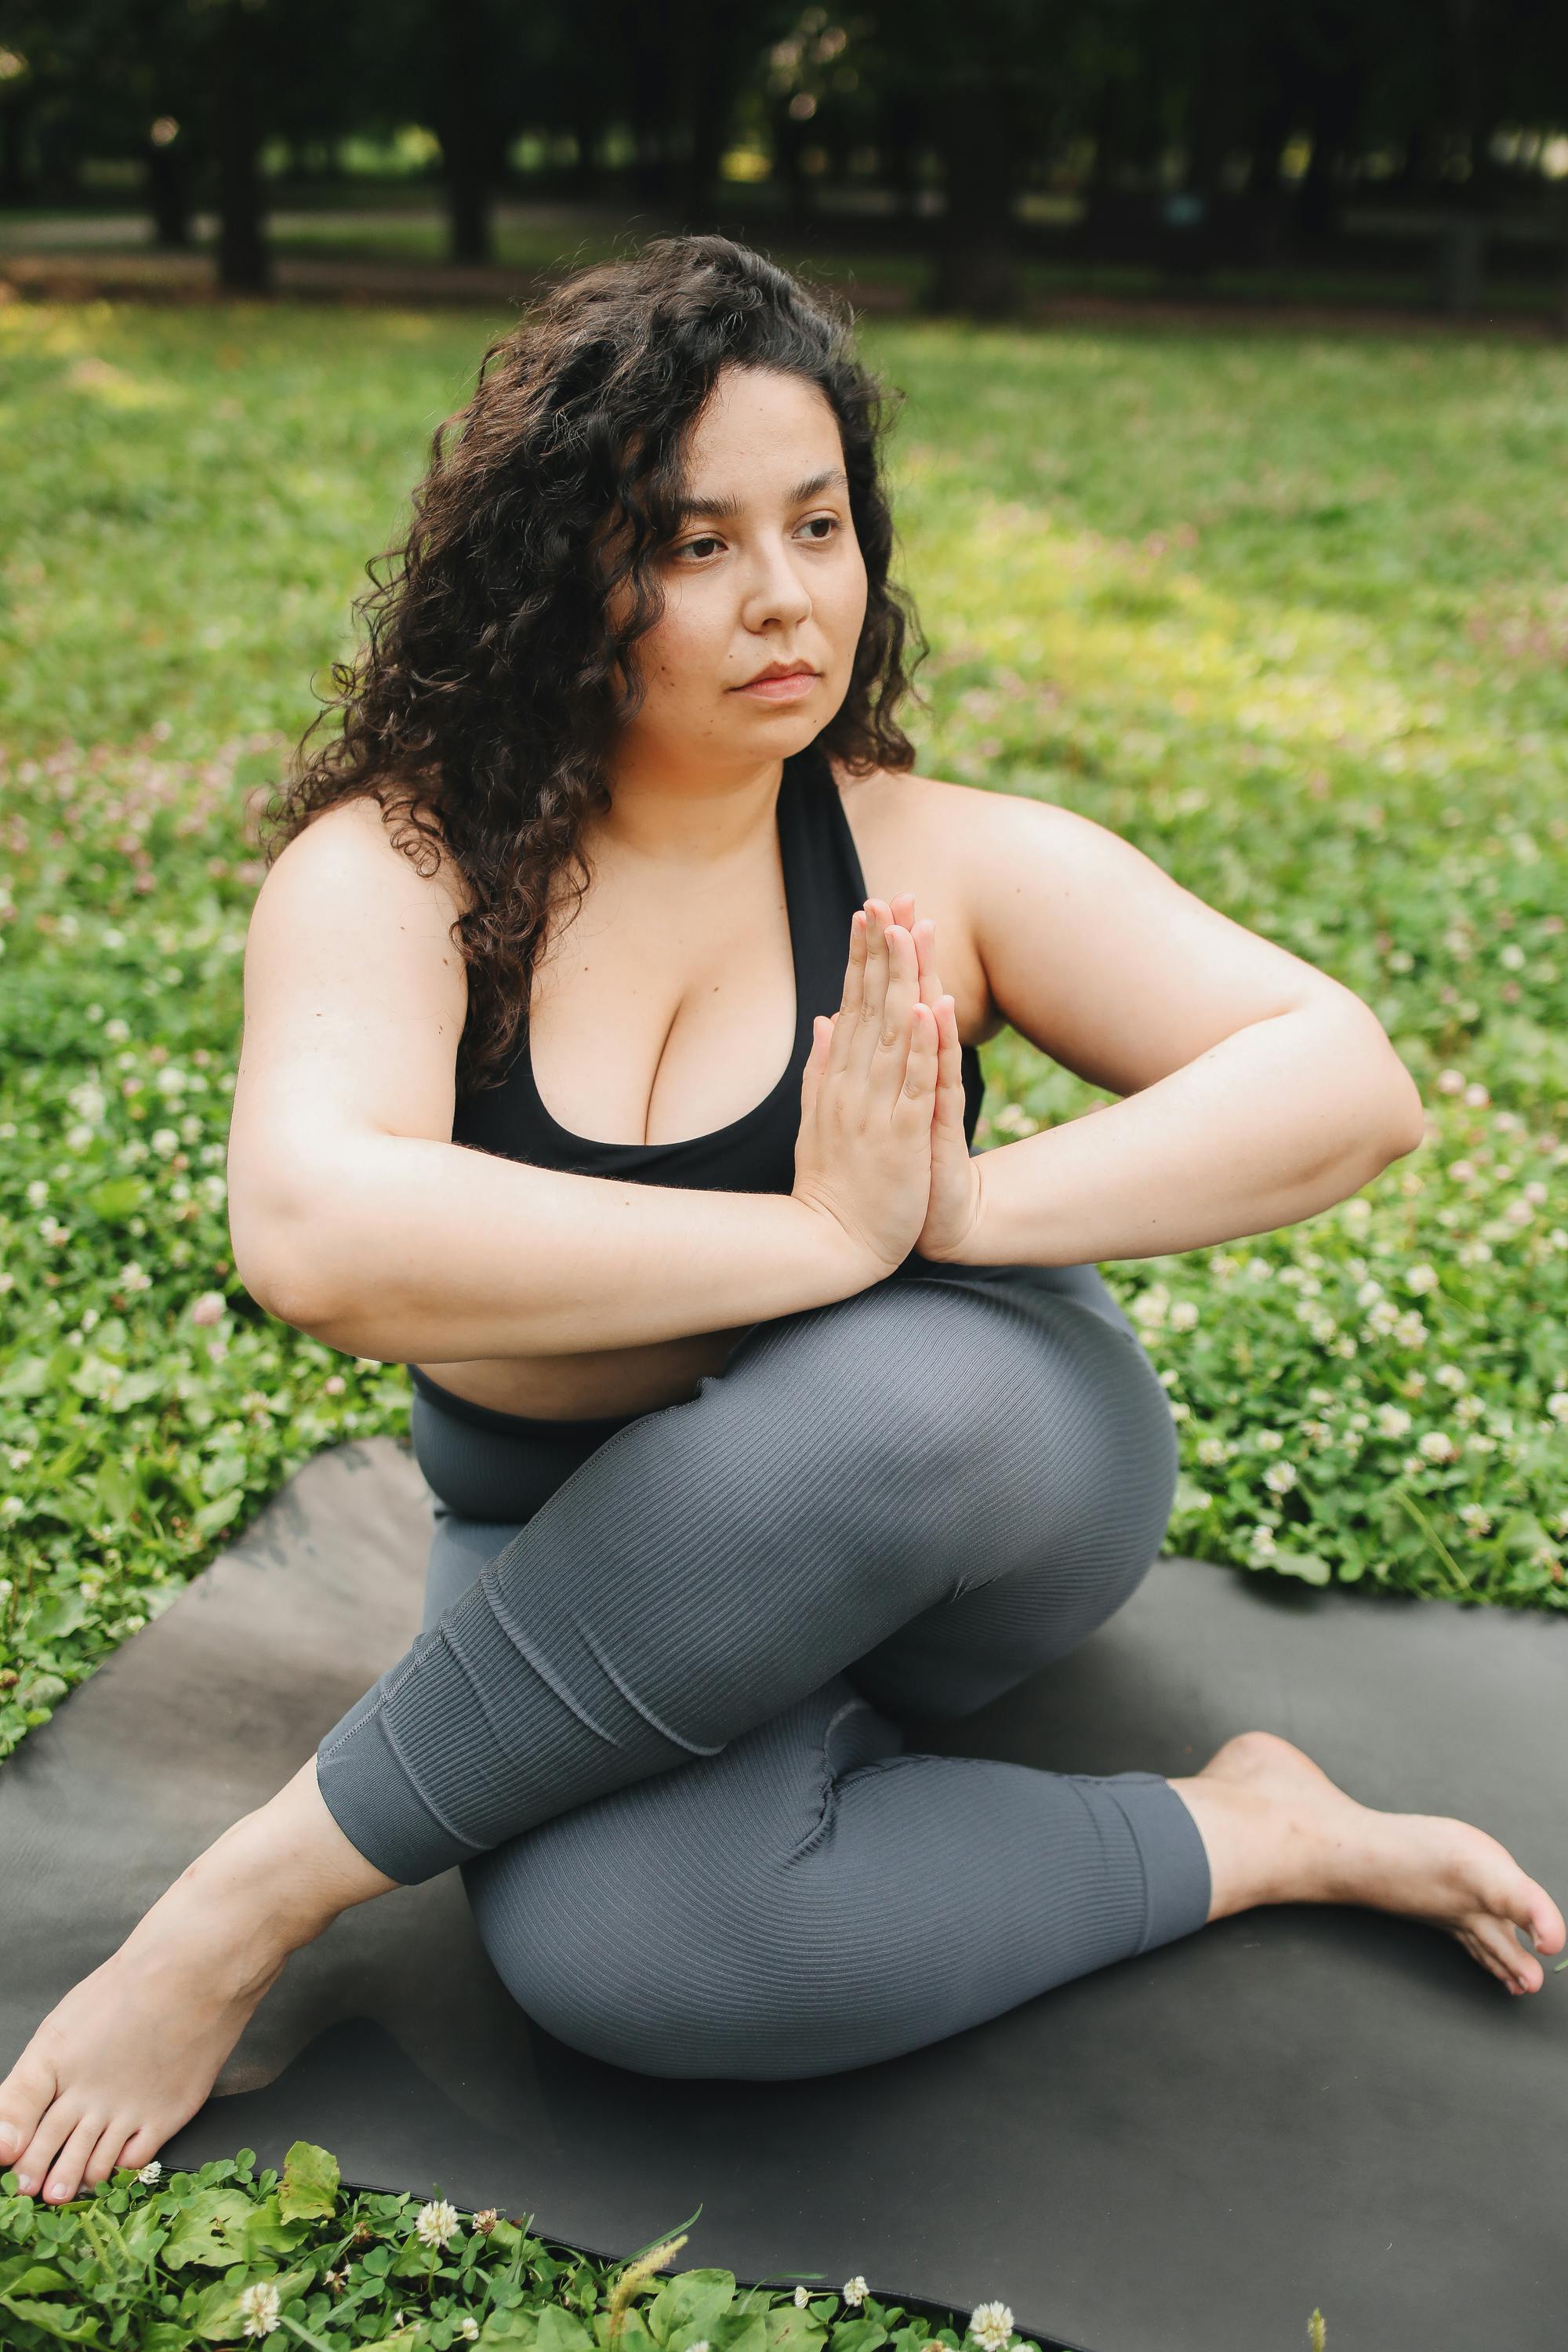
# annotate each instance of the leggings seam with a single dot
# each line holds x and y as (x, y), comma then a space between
(829, 1778)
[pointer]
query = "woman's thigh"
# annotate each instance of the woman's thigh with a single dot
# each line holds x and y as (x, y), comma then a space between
(1035, 1493)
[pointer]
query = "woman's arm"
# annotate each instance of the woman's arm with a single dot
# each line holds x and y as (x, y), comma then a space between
(353, 1215)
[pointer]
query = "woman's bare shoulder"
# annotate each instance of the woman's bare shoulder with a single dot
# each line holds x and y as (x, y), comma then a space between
(403, 845)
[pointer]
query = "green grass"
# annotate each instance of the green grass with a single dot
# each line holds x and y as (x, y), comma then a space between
(1288, 614)
(174, 2262)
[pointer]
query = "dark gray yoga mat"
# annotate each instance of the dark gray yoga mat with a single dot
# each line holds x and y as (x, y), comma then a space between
(1184, 2153)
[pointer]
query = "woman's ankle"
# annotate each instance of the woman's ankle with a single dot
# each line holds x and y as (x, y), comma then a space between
(290, 1859)
(1242, 1831)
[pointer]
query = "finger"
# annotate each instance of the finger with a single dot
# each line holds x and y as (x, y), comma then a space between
(911, 1110)
(866, 1040)
(892, 1050)
(950, 1102)
(811, 1075)
(846, 1029)
(924, 934)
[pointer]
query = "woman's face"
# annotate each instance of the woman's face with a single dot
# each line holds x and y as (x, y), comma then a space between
(764, 567)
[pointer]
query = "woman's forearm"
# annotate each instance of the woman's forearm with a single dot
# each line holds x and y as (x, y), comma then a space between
(415, 1251)
(1277, 1121)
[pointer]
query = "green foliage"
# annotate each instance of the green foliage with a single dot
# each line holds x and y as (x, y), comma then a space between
(1287, 613)
(128, 2263)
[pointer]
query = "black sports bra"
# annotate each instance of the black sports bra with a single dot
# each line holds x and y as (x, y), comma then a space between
(755, 1153)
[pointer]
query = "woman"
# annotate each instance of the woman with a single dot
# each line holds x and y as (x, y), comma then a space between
(762, 1425)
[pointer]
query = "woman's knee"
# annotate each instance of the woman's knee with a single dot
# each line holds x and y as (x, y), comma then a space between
(596, 1949)
(906, 1380)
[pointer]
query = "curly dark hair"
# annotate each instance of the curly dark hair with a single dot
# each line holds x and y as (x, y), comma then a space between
(492, 685)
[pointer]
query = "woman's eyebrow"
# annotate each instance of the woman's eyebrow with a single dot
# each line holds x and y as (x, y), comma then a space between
(731, 505)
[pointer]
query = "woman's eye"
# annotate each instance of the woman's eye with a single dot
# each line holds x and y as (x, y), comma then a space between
(696, 546)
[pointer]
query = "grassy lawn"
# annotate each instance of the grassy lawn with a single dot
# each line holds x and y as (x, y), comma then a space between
(1286, 614)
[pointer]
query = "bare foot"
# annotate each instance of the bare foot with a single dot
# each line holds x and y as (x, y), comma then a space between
(1277, 1830)
(131, 2052)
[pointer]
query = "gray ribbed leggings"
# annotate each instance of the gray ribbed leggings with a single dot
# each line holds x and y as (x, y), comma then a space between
(657, 1712)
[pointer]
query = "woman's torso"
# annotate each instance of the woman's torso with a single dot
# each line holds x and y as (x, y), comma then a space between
(719, 1104)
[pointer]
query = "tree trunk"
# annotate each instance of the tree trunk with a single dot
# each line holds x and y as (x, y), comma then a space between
(169, 195)
(976, 269)
(14, 187)
(466, 130)
(244, 265)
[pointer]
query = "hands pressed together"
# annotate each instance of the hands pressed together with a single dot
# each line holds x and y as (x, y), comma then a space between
(881, 1148)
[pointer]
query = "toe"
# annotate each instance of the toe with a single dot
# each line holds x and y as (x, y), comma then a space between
(24, 2097)
(105, 2156)
(1506, 1954)
(141, 2149)
(65, 2173)
(1544, 1920)
(54, 2127)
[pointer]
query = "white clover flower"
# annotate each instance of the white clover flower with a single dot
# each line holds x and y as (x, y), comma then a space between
(1318, 1432)
(1343, 1346)
(1262, 1544)
(1512, 957)
(1449, 1376)
(1421, 1279)
(855, 2289)
(1392, 1420)
(1557, 1404)
(1382, 1319)
(210, 1308)
(1279, 1478)
(1478, 1520)
(1259, 1270)
(54, 1233)
(1149, 1306)
(151, 2172)
(1438, 1446)
(469, 2328)
(1412, 1465)
(1369, 1294)
(1463, 1171)
(1184, 1314)
(37, 1194)
(88, 1100)
(12, 1508)
(1482, 1444)
(1269, 1441)
(436, 2221)
(131, 1277)
(164, 1141)
(1222, 1265)
(1410, 1330)
(701, 2345)
(1320, 1396)
(116, 1031)
(1212, 1450)
(1535, 1192)
(258, 2307)
(1477, 1098)
(1468, 1411)
(1451, 1082)
(1356, 1213)
(1181, 1411)
(801, 2298)
(78, 1138)
(991, 2325)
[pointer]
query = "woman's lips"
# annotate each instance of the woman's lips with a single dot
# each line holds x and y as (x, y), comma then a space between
(781, 689)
